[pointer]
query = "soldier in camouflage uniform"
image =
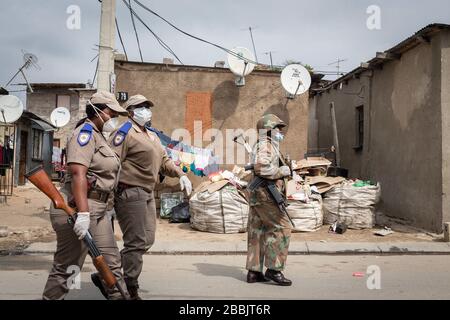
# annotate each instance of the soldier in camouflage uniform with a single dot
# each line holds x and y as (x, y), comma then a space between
(269, 230)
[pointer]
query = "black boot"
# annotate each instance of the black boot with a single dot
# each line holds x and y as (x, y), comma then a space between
(95, 277)
(134, 292)
(278, 277)
(253, 277)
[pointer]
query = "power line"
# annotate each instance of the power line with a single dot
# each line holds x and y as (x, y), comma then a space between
(134, 27)
(121, 41)
(195, 37)
(160, 41)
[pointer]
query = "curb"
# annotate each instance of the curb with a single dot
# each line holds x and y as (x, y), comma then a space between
(296, 248)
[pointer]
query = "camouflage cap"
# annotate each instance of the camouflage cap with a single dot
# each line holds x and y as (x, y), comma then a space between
(135, 100)
(269, 122)
(107, 98)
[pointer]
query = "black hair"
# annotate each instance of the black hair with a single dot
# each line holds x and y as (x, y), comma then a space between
(90, 112)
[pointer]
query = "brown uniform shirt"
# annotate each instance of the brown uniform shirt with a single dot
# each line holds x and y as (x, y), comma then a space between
(93, 152)
(143, 157)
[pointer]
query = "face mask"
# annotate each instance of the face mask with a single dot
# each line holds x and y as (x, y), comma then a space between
(109, 125)
(142, 115)
(278, 136)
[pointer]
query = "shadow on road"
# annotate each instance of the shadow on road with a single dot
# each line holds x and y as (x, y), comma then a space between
(215, 270)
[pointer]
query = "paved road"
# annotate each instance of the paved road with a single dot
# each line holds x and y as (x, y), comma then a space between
(223, 277)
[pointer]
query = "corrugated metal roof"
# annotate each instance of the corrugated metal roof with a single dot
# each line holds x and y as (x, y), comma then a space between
(44, 125)
(423, 35)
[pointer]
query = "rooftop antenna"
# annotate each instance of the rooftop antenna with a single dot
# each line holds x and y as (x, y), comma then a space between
(338, 65)
(253, 41)
(270, 55)
(30, 60)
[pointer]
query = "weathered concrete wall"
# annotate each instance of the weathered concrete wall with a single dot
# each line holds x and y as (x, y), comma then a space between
(43, 101)
(232, 107)
(402, 143)
(445, 107)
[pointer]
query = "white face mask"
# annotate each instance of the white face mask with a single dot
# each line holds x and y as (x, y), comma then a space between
(142, 115)
(109, 125)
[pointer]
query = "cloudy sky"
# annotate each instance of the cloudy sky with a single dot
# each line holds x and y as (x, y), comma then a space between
(314, 32)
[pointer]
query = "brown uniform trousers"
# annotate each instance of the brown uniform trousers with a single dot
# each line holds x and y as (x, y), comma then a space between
(72, 252)
(136, 213)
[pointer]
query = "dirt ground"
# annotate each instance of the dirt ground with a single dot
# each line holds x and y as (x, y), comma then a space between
(26, 215)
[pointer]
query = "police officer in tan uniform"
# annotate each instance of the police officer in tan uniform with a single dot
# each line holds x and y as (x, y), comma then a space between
(93, 169)
(269, 230)
(143, 158)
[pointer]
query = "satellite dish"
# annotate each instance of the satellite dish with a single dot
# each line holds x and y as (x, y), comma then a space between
(240, 64)
(60, 117)
(11, 109)
(295, 79)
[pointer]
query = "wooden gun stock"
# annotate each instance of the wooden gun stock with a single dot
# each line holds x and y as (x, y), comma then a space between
(42, 181)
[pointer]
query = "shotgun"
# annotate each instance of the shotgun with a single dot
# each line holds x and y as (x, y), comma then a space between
(271, 189)
(42, 181)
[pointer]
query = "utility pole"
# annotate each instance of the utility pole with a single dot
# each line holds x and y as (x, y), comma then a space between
(106, 47)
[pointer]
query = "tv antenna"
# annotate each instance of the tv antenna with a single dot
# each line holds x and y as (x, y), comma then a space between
(269, 53)
(30, 60)
(11, 109)
(253, 41)
(239, 64)
(338, 65)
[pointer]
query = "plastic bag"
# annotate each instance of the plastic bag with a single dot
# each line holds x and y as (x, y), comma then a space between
(169, 201)
(180, 213)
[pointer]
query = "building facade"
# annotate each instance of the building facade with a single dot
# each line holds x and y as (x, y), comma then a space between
(184, 95)
(393, 124)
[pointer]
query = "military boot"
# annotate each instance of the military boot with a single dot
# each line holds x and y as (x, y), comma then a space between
(277, 277)
(253, 277)
(95, 277)
(134, 292)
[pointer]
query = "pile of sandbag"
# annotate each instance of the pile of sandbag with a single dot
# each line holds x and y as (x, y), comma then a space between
(219, 207)
(351, 204)
(307, 216)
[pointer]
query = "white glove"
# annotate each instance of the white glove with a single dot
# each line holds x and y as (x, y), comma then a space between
(81, 226)
(285, 171)
(185, 183)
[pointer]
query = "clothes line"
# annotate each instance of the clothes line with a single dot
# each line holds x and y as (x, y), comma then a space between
(199, 161)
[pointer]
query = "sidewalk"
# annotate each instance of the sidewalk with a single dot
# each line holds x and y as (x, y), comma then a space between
(192, 247)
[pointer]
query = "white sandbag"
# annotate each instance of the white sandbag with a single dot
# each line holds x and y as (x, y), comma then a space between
(222, 211)
(354, 206)
(307, 217)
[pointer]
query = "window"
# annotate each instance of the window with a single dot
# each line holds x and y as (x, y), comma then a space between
(38, 141)
(359, 127)
(63, 101)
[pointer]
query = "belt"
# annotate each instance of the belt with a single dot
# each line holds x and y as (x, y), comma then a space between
(99, 195)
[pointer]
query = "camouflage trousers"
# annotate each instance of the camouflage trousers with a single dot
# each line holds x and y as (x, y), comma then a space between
(269, 234)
